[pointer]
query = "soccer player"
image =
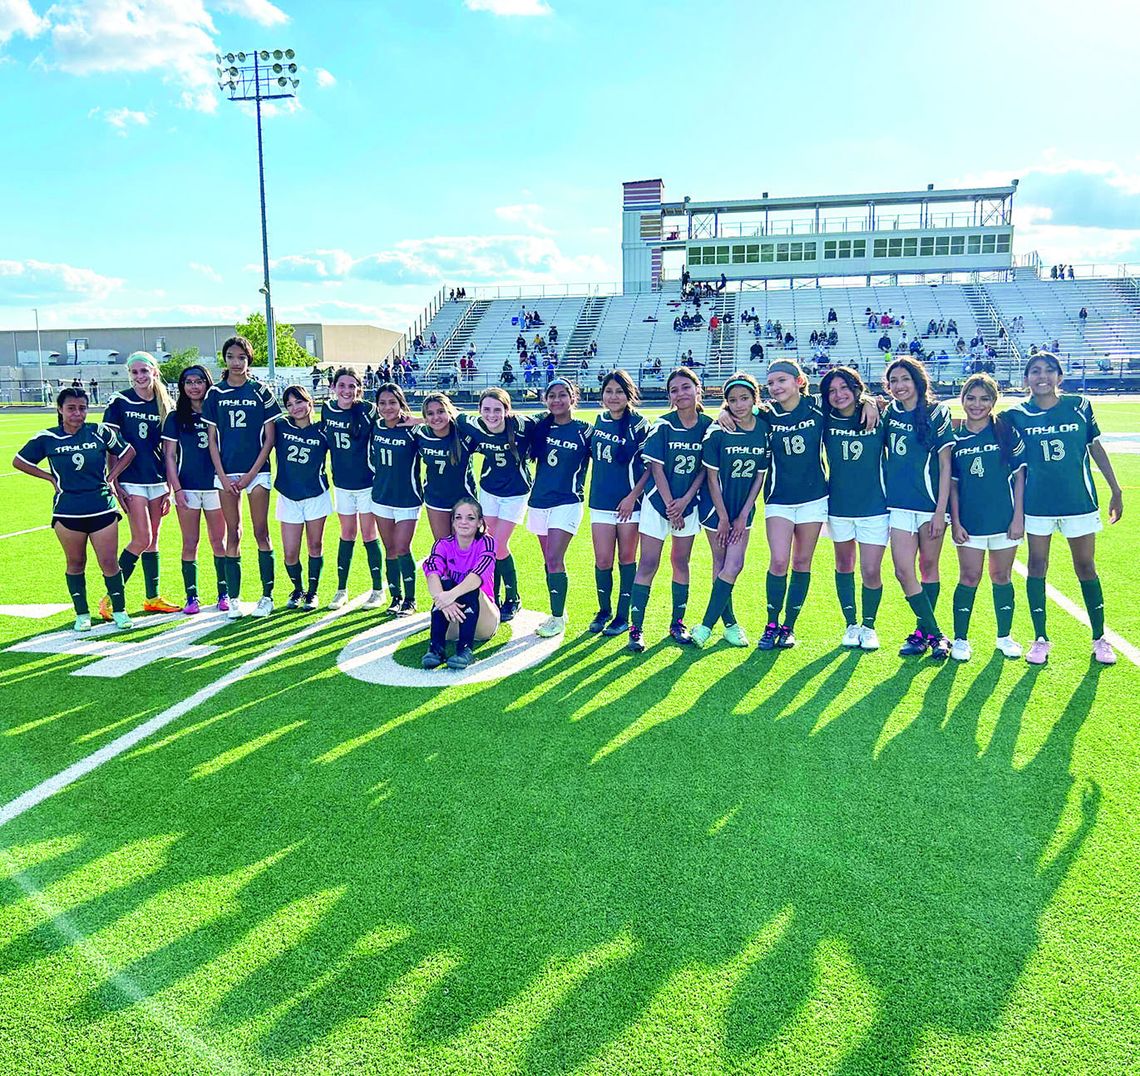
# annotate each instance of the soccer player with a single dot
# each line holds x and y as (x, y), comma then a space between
(561, 445)
(987, 492)
(397, 492)
(83, 508)
(669, 508)
(137, 414)
(917, 473)
(1060, 435)
(190, 472)
(856, 501)
(303, 502)
(460, 572)
(619, 479)
(347, 420)
(240, 413)
(737, 462)
(446, 453)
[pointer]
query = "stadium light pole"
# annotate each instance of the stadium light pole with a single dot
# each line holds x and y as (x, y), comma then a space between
(39, 352)
(260, 75)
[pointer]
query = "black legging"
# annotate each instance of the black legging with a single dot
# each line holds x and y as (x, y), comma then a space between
(440, 623)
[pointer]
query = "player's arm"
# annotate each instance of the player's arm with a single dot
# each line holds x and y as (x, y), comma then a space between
(740, 524)
(23, 465)
(628, 504)
(1116, 503)
(657, 468)
(269, 435)
(938, 522)
(1017, 525)
(958, 533)
(170, 458)
(687, 497)
(717, 495)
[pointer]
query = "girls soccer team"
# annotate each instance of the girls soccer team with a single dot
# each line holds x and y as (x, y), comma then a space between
(874, 481)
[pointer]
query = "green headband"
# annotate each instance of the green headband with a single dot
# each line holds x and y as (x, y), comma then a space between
(559, 381)
(739, 383)
(142, 356)
(783, 366)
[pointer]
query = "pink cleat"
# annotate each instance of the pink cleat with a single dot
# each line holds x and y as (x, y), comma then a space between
(1103, 652)
(191, 607)
(224, 603)
(1039, 652)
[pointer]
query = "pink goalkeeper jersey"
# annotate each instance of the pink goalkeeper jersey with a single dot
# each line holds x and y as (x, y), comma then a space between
(453, 564)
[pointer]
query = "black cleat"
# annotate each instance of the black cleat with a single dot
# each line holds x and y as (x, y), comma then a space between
(618, 626)
(636, 642)
(768, 639)
(433, 659)
(508, 609)
(680, 634)
(785, 638)
(939, 647)
(915, 645)
(598, 624)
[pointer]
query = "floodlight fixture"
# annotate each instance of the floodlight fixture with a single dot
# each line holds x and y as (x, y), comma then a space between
(277, 54)
(289, 54)
(229, 57)
(282, 81)
(241, 57)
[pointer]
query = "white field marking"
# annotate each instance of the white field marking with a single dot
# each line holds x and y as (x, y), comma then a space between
(30, 530)
(1131, 652)
(1124, 443)
(120, 652)
(369, 657)
(34, 796)
(33, 612)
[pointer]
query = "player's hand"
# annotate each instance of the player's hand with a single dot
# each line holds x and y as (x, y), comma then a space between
(1016, 529)
(625, 508)
(244, 481)
(959, 534)
(455, 613)
(722, 531)
(121, 497)
(725, 421)
(230, 485)
(937, 525)
(180, 498)
(164, 504)
(1116, 507)
(870, 414)
(739, 530)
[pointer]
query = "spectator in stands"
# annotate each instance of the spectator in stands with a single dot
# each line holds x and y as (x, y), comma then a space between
(520, 343)
(789, 340)
(1083, 314)
(1072, 275)
(768, 328)
(756, 352)
(1104, 364)
(507, 374)
(778, 329)
(315, 376)
(593, 348)
(451, 296)
(329, 376)
(471, 350)
(1056, 348)
(685, 277)
(677, 323)
(915, 347)
(722, 283)
(585, 362)
(885, 320)
(93, 390)
(941, 327)
(951, 328)
(814, 338)
(433, 343)
(943, 356)
(931, 327)
(884, 343)
(553, 334)
(385, 371)
(872, 323)
(1053, 273)
(960, 347)
(832, 315)
(714, 323)
(550, 371)
(833, 338)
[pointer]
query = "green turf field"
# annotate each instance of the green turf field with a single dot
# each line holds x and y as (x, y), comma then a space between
(686, 862)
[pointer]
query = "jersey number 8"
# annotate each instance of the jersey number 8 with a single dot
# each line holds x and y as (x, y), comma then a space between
(795, 445)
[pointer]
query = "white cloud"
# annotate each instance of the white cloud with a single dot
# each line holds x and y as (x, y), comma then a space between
(510, 7)
(269, 109)
(525, 214)
(31, 282)
(394, 316)
(259, 11)
(325, 78)
(17, 17)
(208, 271)
(121, 118)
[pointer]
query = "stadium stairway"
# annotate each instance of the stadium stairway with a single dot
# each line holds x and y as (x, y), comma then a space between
(445, 361)
(585, 330)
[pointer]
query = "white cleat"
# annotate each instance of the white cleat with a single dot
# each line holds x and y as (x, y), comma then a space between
(82, 622)
(375, 600)
(338, 599)
(1010, 648)
(868, 638)
(551, 627)
(961, 651)
(263, 607)
(235, 611)
(851, 637)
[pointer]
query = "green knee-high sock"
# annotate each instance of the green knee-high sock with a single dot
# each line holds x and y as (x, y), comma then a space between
(392, 571)
(1003, 608)
(127, 562)
(1093, 595)
(720, 597)
(680, 592)
(963, 609)
(293, 571)
(510, 577)
(797, 595)
(728, 614)
(626, 572)
(498, 583)
(77, 588)
(1035, 592)
(872, 596)
(343, 563)
(604, 584)
(638, 600)
(150, 573)
(375, 557)
(220, 572)
(408, 574)
(265, 570)
(190, 578)
(233, 576)
(115, 588)
(931, 590)
(845, 588)
(775, 587)
(557, 583)
(920, 603)
(316, 564)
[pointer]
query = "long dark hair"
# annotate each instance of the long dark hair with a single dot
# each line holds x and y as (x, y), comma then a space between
(926, 397)
(1003, 432)
(393, 389)
(454, 447)
(624, 382)
(688, 375)
(844, 373)
(184, 409)
(69, 393)
(244, 344)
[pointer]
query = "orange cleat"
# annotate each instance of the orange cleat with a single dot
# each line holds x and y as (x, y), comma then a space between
(105, 608)
(160, 605)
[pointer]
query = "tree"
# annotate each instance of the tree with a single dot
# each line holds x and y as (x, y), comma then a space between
(172, 367)
(289, 352)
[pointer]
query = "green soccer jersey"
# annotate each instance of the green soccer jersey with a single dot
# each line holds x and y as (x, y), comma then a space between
(678, 450)
(616, 452)
(984, 480)
(79, 462)
(195, 468)
(447, 464)
(855, 467)
(348, 433)
(239, 414)
(138, 422)
(300, 460)
(737, 457)
(505, 471)
(795, 441)
(911, 470)
(1058, 474)
(396, 481)
(562, 455)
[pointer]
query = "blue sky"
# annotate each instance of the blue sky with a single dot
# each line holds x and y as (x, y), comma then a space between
(485, 141)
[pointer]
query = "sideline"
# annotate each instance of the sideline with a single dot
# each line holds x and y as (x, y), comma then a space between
(30, 530)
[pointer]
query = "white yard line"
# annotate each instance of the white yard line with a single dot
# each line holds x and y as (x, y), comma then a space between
(1131, 652)
(34, 796)
(30, 530)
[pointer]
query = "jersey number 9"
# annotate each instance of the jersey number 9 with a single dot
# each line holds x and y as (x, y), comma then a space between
(79, 460)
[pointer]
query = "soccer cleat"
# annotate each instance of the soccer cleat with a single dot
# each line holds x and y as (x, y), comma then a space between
(408, 608)
(223, 603)
(785, 638)
(433, 659)
(1103, 652)
(1009, 647)
(680, 634)
(234, 611)
(961, 651)
(701, 636)
(310, 603)
(939, 647)
(915, 646)
(868, 638)
(636, 642)
(507, 610)
(550, 627)
(850, 636)
(122, 621)
(1039, 652)
(295, 600)
(618, 626)
(376, 599)
(263, 607)
(82, 622)
(192, 608)
(461, 658)
(734, 635)
(105, 608)
(338, 599)
(160, 605)
(768, 639)
(598, 624)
